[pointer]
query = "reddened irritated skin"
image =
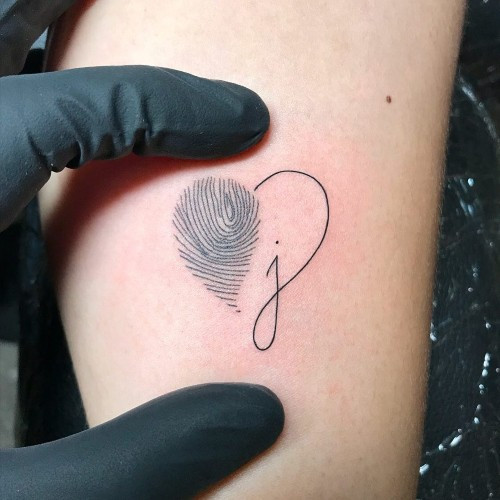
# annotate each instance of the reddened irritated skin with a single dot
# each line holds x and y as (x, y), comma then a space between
(349, 355)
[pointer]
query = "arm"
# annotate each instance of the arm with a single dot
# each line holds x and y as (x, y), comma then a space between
(59, 119)
(349, 356)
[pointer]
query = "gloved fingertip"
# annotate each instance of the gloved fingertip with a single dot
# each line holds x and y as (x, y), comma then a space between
(234, 423)
(263, 415)
(241, 421)
(254, 115)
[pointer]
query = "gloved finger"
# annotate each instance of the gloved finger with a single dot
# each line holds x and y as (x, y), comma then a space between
(172, 447)
(53, 120)
(21, 23)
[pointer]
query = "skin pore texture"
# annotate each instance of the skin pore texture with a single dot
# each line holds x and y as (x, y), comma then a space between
(344, 344)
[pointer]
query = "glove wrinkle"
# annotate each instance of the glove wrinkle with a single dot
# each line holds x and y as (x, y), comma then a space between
(65, 119)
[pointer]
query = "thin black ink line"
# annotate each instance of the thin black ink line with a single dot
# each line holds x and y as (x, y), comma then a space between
(239, 272)
(224, 292)
(214, 273)
(191, 230)
(222, 288)
(211, 222)
(207, 253)
(327, 217)
(235, 233)
(229, 269)
(197, 218)
(234, 226)
(207, 200)
(310, 258)
(202, 225)
(275, 296)
(200, 216)
(223, 252)
(221, 291)
(214, 208)
(236, 284)
(230, 252)
(226, 296)
(216, 223)
(230, 260)
(230, 209)
(225, 243)
(226, 299)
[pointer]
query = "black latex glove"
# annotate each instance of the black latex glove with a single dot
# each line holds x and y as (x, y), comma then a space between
(183, 442)
(172, 447)
(64, 119)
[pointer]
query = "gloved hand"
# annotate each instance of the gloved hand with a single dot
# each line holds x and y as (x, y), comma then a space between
(171, 447)
(183, 442)
(64, 119)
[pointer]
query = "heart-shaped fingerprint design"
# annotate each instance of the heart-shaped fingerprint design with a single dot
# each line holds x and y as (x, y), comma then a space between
(216, 222)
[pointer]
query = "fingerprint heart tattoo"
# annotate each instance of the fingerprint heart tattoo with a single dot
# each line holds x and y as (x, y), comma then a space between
(217, 228)
(217, 224)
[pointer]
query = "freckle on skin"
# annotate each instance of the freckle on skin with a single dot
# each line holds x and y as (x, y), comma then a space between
(388, 99)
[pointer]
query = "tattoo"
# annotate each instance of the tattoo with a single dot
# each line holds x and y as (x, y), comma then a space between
(217, 228)
(217, 224)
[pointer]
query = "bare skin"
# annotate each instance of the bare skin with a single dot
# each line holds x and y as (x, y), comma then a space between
(358, 94)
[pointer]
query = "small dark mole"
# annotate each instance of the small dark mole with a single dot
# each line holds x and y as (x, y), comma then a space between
(277, 242)
(388, 99)
(238, 310)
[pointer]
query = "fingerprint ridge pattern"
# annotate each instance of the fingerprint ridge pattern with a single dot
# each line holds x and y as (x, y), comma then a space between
(216, 224)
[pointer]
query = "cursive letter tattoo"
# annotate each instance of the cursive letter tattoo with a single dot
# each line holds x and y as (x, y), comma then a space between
(275, 297)
(216, 226)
